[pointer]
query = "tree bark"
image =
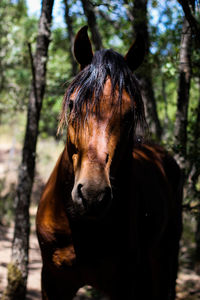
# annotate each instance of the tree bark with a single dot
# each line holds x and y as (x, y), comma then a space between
(197, 241)
(196, 146)
(191, 187)
(165, 132)
(180, 130)
(188, 8)
(194, 155)
(69, 23)
(92, 23)
(18, 268)
(140, 26)
(193, 174)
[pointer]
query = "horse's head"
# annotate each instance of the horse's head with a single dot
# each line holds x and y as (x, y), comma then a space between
(105, 105)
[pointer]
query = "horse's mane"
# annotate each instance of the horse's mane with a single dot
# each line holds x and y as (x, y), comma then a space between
(89, 84)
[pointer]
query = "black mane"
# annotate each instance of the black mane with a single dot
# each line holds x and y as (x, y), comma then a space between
(89, 84)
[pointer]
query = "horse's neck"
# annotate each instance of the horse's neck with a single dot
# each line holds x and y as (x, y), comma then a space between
(122, 164)
(59, 183)
(51, 215)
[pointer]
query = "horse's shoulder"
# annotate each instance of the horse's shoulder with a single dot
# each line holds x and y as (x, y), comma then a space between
(153, 157)
(149, 156)
(51, 219)
(152, 153)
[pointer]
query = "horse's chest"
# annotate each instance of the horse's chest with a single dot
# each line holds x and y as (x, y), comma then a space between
(99, 241)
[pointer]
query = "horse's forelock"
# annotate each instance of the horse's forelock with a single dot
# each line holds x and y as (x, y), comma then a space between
(89, 86)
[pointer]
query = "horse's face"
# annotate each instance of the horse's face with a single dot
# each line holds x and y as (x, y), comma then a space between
(92, 150)
(103, 100)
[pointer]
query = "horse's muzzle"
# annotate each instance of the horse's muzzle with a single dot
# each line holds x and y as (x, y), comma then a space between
(91, 202)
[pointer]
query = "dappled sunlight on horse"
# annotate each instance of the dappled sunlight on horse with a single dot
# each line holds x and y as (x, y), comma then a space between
(110, 214)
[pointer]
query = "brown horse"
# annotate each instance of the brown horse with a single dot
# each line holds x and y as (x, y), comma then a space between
(110, 214)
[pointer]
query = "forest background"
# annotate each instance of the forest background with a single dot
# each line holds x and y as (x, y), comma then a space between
(169, 80)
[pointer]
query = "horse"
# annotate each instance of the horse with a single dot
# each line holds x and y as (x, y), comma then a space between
(110, 214)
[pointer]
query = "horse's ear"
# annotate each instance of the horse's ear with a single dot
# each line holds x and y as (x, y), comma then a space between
(83, 48)
(136, 53)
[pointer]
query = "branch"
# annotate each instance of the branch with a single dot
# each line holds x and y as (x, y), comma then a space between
(108, 19)
(195, 26)
(188, 207)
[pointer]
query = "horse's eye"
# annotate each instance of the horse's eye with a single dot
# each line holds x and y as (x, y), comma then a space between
(71, 105)
(128, 117)
(74, 149)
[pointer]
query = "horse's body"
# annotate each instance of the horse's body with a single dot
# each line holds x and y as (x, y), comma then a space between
(110, 215)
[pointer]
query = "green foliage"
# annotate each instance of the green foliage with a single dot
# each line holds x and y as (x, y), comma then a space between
(15, 30)
(115, 26)
(16, 284)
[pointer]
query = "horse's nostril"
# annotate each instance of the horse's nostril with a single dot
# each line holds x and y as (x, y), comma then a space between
(80, 195)
(79, 190)
(102, 202)
(93, 201)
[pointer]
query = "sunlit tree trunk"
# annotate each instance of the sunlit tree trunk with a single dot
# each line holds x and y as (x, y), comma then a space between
(180, 129)
(92, 23)
(139, 17)
(18, 267)
(69, 23)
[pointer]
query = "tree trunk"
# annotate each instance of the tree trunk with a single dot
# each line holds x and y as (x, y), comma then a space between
(140, 26)
(18, 268)
(196, 145)
(197, 250)
(188, 7)
(192, 191)
(180, 130)
(194, 155)
(165, 132)
(69, 22)
(92, 23)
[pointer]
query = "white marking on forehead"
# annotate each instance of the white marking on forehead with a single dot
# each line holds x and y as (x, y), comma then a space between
(98, 144)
